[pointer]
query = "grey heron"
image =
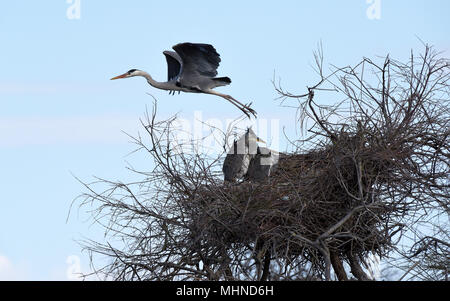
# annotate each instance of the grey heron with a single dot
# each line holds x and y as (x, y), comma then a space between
(192, 68)
(262, 164)
(237, 161)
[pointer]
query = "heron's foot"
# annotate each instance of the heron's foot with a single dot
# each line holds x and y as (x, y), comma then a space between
(245, 108)
(250, 110)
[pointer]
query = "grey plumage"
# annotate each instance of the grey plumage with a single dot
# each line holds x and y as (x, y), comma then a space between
(200, 59)
(262, 164)
(199, 63)
(238, 158)
(174, 63)
(248, 161)
(235, 165)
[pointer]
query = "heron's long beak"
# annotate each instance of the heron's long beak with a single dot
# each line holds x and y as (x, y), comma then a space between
(120, 76)
(260, 140)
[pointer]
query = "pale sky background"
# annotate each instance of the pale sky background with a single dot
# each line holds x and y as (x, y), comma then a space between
(61, 115)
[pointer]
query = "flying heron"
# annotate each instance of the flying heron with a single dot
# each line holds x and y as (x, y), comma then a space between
(192, 68)
(238, 159)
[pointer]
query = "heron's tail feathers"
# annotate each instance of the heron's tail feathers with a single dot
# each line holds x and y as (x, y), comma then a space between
(222, 81)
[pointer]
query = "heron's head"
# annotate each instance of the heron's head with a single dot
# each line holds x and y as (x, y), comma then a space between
(251, 136)
(131, 73)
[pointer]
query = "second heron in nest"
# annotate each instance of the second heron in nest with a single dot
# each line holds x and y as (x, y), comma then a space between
(248, 161)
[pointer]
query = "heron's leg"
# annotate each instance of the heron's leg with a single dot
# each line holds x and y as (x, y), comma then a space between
(247, 107)
(236, 101)
(239, 107)
(244, 108)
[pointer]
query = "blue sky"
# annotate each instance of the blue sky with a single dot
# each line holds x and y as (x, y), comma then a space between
(61, 115)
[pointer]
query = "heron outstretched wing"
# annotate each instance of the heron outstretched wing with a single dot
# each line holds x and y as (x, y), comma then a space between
(199, 60)
(174, 64)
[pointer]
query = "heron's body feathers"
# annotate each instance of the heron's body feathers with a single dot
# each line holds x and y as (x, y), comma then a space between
(262, 164)
(198, 66)
(239, 156)
(235, 166)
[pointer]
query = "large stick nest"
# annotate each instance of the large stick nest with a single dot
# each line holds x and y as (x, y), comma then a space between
(307, 196)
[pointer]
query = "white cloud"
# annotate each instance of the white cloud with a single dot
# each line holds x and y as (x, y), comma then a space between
(76, 268)
(70, 270)
(10, 271)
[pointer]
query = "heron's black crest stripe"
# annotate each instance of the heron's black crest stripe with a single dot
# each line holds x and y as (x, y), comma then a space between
(132, 70)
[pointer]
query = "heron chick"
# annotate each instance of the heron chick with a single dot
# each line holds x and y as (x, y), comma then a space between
(192, 68)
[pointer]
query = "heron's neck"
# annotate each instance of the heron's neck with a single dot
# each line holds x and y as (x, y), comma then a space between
(152, 82)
